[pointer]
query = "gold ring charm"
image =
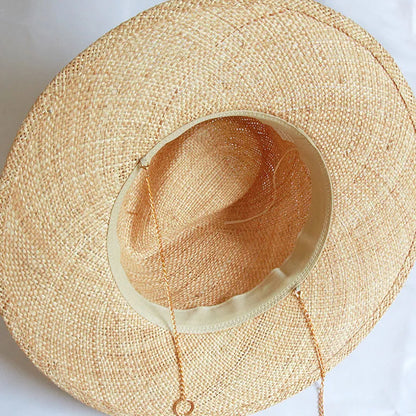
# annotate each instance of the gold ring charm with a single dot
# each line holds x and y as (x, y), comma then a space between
(187, 413)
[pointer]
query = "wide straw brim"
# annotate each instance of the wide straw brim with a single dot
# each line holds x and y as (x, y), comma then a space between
(158, 71)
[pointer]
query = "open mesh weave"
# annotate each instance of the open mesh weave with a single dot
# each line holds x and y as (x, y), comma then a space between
(231, 197)
(178, 62)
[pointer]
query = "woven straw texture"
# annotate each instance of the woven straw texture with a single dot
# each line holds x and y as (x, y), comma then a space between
(152, 74)
(231, 198)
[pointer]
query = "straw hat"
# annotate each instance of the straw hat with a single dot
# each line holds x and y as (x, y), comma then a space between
(213, 203)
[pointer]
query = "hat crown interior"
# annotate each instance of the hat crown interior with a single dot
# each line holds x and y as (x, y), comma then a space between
(243, 202)
(231, 197)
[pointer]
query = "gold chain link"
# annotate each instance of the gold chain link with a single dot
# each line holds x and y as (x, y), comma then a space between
(175, 335)
(298, 295)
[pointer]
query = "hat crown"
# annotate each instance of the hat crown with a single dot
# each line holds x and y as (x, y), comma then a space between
(231, 197)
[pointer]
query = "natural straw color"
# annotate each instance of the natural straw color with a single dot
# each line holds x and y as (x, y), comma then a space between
(231, 198)
(145, 79)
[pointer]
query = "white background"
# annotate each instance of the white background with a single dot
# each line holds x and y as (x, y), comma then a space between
(38, 38)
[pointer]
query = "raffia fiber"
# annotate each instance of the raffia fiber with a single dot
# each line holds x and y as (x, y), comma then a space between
(231, 198)
(154, 73)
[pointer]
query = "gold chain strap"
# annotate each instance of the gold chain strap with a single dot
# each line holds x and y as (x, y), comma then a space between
(178, 352)
(175, 335)
(298, 295)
